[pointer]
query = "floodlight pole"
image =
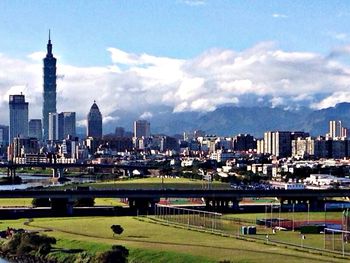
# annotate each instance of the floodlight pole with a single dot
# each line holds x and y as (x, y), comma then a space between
(293, 216)
(271, 216)
(279, 216)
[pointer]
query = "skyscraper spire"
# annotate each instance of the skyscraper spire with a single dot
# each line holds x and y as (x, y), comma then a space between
(49, 45)
(49, 95)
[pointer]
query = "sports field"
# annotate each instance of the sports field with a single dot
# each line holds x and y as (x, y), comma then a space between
(152, 242)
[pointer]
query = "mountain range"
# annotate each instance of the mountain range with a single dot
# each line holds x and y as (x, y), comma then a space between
(231, 120)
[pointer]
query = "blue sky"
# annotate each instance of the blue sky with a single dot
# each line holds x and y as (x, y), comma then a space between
(182, 55)
(82, 30)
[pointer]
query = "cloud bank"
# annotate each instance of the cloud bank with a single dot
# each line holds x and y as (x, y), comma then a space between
(261, 75)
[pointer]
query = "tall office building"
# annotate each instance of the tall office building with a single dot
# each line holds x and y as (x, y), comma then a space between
(4, 135)
(4, 138)
(61, 125)
(142, 128)
(35, 129)
(49, 87)
(18, 116)
(94, 122)
(68, 124)
(53, 126)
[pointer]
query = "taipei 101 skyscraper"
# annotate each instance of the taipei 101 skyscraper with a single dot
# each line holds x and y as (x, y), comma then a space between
(49, 87)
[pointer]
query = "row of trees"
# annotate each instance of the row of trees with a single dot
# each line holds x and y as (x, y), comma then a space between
(46, 202)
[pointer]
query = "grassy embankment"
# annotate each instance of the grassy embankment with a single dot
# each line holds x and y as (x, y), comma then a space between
(153, 183)
(150, 242)
(27, 202)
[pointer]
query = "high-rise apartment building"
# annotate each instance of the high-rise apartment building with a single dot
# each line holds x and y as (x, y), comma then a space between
(35, 129)
(61, 125)
(94, 122)
(142, 128)
(244, 142)
(49, 97)
(278, 143)
(18, 116)
(336, 129)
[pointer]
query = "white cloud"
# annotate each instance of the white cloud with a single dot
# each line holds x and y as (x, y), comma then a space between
(276, 101)
(193, 2)
(261, 74)
(277, 15)
(37, 56)
(341, 36)
(146, 115)
(108, 119)
(332, 100)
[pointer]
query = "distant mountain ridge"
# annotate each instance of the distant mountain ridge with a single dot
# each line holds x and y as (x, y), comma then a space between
(231, 120)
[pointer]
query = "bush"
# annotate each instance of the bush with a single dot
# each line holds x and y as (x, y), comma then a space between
(118, 254)
(25, 243)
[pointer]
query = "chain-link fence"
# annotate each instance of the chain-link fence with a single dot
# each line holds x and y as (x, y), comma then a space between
(337, 240)
(189, 217)
(299, 229)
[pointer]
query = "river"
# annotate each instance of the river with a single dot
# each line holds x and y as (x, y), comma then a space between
(29, 180)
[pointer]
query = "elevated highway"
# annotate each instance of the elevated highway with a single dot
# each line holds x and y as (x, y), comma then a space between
(215, 200)
(177, 193)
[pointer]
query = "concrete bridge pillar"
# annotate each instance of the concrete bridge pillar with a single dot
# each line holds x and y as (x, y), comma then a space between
(142, 205)
(316, 204)
(127, 172)
(57, 172)
(60, 172)
(11, 171)
(54, 173)
(235, 204)
(62, 206)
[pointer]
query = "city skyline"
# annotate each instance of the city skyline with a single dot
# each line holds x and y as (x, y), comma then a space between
(283, 65)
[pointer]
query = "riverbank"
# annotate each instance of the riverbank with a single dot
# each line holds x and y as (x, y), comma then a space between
(10, 180)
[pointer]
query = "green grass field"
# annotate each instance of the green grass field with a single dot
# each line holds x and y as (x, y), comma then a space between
(154, 183)
(313, 216)
(151, 242)
(27, 202)
(15, 202)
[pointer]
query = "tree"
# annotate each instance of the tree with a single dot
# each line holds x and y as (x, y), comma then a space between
(118, 254)
(117, 229)
(41, 202)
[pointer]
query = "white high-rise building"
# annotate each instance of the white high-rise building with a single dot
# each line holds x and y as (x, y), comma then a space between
(336, 129)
